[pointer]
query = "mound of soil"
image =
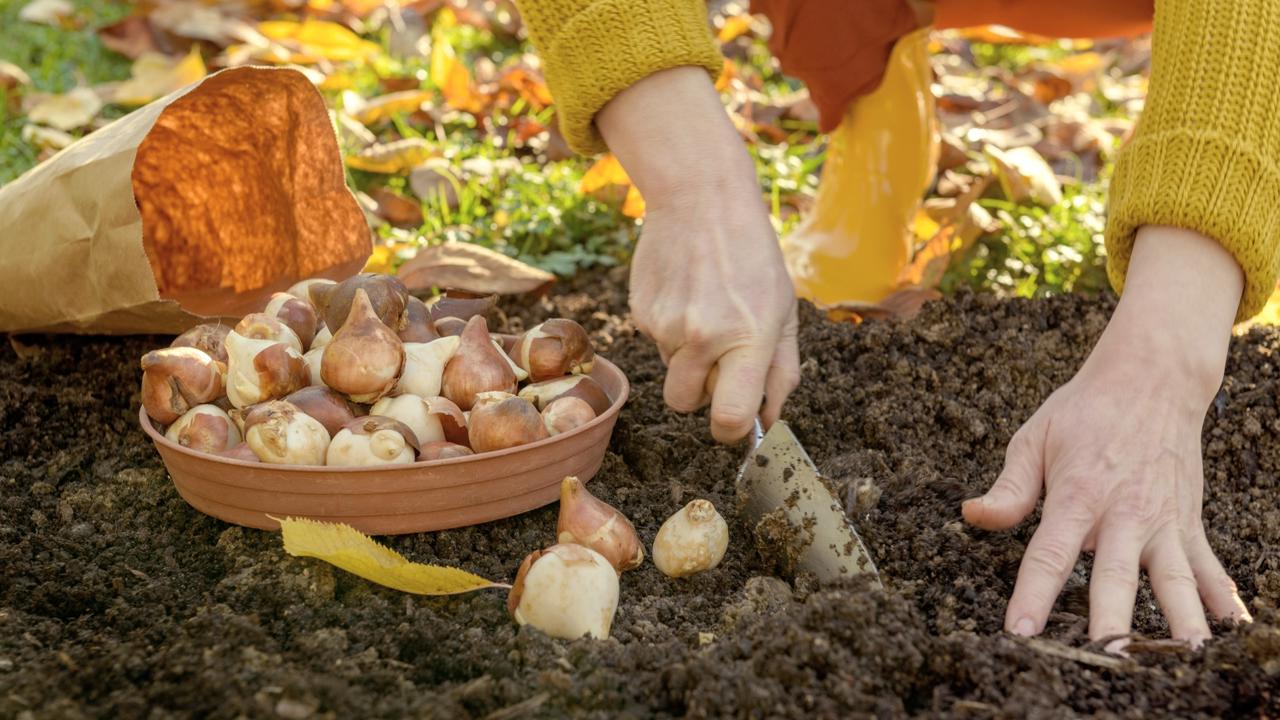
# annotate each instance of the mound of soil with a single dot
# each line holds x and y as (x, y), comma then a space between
(117, 599)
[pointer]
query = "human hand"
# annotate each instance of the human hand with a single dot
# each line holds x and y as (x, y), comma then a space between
(1117, 450)
(708, 282)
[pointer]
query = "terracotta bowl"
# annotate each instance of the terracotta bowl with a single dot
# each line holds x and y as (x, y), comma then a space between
(396, 499)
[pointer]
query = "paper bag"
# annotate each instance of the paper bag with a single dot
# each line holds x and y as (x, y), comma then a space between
(196, 206)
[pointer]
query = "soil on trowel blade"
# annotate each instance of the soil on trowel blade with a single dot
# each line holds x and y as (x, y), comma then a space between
(119, 600)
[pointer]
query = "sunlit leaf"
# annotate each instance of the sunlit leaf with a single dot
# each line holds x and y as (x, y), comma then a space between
(393, 157)
(734, 26)
(633, 206)
(314, 40)
(46, 138)
(68, 111)
(385, 106)
(1025, 176)
(465, 266)
(156, 75)
(46, 12)
(606, 171)
(453, 78)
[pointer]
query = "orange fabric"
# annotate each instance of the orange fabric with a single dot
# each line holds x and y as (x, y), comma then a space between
(839, 48)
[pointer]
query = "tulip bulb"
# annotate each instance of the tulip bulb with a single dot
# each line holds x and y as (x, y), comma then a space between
(516, 370)
(204, 428)
(314, 360)
(424, 366)
(554, 348)
(364, 359)
(322, 338)
(260, 326)
(262, 369)
(431, 419)
(298, 315)
(176, 379)
(386, 296)
(443, 450)
(331, 409)
(450, 326)
(503, 424)
(565, 414)
(476, 367)
(241, 452)
(302, 288)
(583, 387)
(372, 440)
(589, 521)
(692, 540)
(566, 591)
(461, 304)
(208, 337)
(416, 324)
(280, 433)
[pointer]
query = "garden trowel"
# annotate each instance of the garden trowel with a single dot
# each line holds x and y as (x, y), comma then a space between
(779, 484)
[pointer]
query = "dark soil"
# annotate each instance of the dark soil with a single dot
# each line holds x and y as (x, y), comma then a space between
(117, 599)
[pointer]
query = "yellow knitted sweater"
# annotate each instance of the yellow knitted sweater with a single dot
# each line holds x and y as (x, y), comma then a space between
(1205, 155)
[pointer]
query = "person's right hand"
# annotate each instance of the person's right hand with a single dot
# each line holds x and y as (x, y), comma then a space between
(708, 282)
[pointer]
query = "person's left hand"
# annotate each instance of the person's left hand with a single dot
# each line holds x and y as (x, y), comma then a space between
(1117, 450)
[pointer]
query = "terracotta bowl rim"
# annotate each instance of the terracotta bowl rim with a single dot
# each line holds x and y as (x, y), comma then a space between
(614, 409)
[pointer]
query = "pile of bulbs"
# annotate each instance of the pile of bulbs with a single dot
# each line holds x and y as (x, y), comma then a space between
(360, 372)
(571, 588)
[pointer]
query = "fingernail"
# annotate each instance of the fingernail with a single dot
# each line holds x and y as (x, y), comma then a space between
(1117, 646)
(1026, 627)
(988, 501)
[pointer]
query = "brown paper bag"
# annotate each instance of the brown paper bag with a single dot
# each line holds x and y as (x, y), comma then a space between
(198, 205)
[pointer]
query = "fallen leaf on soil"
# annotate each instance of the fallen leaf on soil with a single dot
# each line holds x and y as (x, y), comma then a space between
(46, 138)
(393, 157)
(155, 76)
(1024, 175)
(68, 111)
(12, 78)
(395, 209)
(453, 78)
(345, 547)
(734, 26)
(901, 304)
(46, 12)
(132, 36)
(385, 106)
(528, 84)
(463, 266)
(633, 206)
(605, 171)
(314, 40)
(195, 20)
(434, 180)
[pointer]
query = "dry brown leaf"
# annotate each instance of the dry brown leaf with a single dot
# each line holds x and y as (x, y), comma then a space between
(434, 181)
(132, 36)
(528, 84)
(1024, 175)
(195, 20)
(396, 210)
(464, 266)
(68, 111)
(156, 75)
(46, 12)
(393, 157)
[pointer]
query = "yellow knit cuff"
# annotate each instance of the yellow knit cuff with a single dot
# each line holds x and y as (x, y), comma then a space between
(1203, 181)
(612, 44)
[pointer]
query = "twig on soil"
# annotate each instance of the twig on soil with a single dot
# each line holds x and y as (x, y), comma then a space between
(1058, 650)
(521, 709)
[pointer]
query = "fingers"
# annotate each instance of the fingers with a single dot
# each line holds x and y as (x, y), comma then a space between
(1014, 494)
(1048, 562)
(1113, 584)
(738, 391)
(1175, 587)
(686, 378)
(1217, 589)
(784, 376)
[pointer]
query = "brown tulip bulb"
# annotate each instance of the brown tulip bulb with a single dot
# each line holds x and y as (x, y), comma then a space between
(505, 424)
(261, 326)
(365, 357)
(331, 409)
(565, 414)
(208, 337)
(430, 419)
(424, 366)
(322, 338)
(554, 348)
(589, 521)
(298, 315)
(176, 379)
(461, 304)
(281, 434)
(450, 326)
(372, 440)
(302, 288)
(204, 428)
(263, 369)
(443, 450)
(476, 367)
(582, 387)
(386, 296)
(416, 325)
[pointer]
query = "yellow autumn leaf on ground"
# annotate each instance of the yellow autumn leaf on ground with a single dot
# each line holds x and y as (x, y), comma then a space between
(734, 26)
(319, 39)
(345, 547)
(69, 111)
(393, 157)
(385, 106)
(633, 206)
(156, 75)
(606, 171)
(453, 78)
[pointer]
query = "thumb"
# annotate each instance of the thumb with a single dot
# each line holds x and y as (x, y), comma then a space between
(1015, 492)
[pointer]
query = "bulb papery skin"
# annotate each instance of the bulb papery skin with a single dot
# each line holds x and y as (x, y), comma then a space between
(443, 450)
(260, 326)
(589, 521)
(565, 414)
(365, 357)
(322, 338)
(580, 386)
(261, 369)
(386, 296)
(424, 365)
(208, 337)
(504, 424)
(412, 411)
(281, 434)
(416, 326)
(176, 379)
(204, 428)
(372, 440)
(691, 541)
(516, 370)
(298, 315)
(566, 591)
(460, 304)
(330, 408)
(477, 366)
(302, 288)
(313, 359)
(554, 348)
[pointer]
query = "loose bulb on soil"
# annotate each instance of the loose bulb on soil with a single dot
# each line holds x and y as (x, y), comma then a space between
(372, 440)
(692, 540)
(476, 367)
(443, 450)
(582, 387)
(176, 379)
(386, 295)
(364, 359)
(208, 337)
(554, 348)
(263, 369)
(503, 424)
(204, 428)
(281, 434)
(424, 365)
(416, 324)
(589, 521)
(565, 414)
(298, 315)
(566, 591)
(331, 409)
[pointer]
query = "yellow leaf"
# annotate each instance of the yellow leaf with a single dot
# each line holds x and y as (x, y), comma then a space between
(633, 206)
(727, 73)
(345, 547)
(384, 107)
(67, 112)
(453, 78)
(606, 171)
(390, 158)
(380, 261)
(923, 226)
(734, 26)
(155, 75)
(319, 39)
(46, 138)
